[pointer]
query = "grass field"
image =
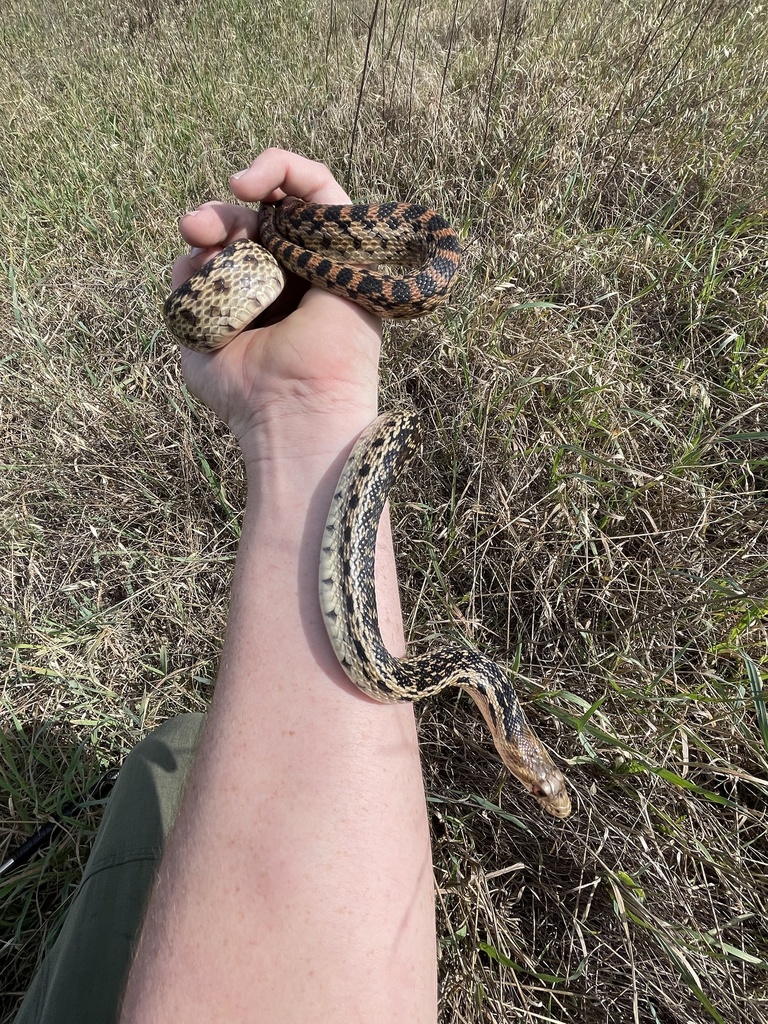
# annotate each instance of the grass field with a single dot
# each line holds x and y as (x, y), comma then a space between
(590, 507)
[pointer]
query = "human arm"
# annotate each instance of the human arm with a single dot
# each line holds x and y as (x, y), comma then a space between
(297, 883)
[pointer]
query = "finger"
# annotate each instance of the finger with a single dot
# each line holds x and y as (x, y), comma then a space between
(276, 173)
(217, 224)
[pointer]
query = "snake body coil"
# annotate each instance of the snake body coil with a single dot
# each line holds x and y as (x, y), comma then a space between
(322, 244)
(325, 245)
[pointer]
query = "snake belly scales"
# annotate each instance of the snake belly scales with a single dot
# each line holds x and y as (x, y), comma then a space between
(326, 245)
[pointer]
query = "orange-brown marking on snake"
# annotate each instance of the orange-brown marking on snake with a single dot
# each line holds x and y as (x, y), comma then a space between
(332, 248)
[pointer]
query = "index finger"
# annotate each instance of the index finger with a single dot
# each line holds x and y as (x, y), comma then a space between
(276, 173)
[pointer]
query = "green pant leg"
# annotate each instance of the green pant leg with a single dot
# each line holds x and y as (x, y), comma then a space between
(82, 977)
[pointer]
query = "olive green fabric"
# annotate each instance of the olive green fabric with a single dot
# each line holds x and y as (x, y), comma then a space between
(82, 976)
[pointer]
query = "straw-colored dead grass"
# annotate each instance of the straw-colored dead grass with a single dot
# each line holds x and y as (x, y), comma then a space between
(591, 504)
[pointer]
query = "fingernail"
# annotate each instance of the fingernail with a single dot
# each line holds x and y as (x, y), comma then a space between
(191, 213)
(239, 174)
(194, 250)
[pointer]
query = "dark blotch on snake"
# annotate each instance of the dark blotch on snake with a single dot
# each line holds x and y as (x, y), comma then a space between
(401, 291)
(369, 285)
(426, 284)
(435, 223)
(414, 213)
(450, 243)
(444, 266)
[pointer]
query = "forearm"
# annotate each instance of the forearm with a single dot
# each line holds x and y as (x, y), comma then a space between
(298, 883)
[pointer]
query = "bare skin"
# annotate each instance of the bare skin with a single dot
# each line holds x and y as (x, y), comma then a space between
(297, 883)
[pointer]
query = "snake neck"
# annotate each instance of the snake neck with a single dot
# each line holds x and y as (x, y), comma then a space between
(490, 687)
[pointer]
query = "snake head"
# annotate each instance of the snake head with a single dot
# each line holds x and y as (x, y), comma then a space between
(519, 747)
(551, 794)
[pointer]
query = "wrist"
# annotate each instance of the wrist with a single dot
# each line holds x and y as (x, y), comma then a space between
(290, 489)
(288, 444)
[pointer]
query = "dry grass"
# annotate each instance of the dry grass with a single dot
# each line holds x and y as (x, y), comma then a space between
(591, 507)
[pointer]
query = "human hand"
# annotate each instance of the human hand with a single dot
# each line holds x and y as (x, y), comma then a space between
(299, 381)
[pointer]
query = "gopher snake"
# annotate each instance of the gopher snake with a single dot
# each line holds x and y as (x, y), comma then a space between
(224, 298)
(321, 244)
